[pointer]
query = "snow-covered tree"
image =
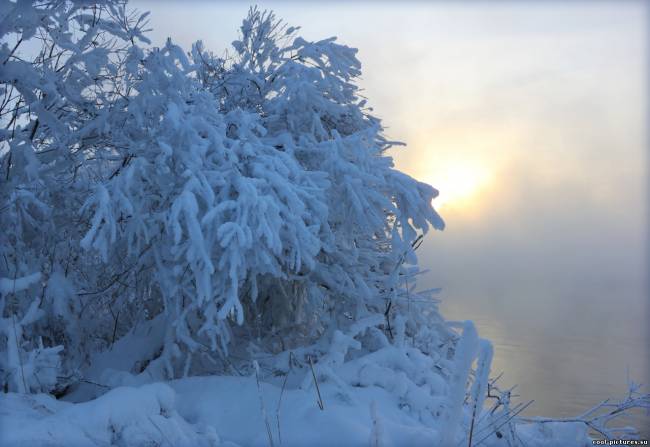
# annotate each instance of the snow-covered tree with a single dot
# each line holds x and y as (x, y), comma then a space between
(59, 66)
(226, 201)
(304, 96)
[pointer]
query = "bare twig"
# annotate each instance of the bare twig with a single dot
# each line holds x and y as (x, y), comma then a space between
(387, 315)
(115, 328)
(471, 427)
(284, 384)
(262, 407)
(313, 374)
(13, 50)
(161, 432)
(505, 422)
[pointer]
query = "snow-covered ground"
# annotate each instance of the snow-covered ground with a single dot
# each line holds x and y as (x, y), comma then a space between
(393, 396)
(227, 411)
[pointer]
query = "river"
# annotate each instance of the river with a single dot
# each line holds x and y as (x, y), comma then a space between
(566, 348)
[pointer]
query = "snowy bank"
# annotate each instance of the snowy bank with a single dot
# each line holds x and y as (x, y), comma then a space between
(225, 411)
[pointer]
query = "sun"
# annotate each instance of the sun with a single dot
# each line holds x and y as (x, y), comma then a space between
(459, 183)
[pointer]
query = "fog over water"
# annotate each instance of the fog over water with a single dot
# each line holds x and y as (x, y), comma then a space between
(531, 119)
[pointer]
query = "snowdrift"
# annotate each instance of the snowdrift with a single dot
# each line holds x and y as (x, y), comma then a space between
(226, 411)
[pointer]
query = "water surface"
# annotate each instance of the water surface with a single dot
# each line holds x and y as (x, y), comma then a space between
(566, 349)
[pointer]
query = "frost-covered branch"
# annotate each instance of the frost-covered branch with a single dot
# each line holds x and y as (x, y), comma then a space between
(599, 417)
